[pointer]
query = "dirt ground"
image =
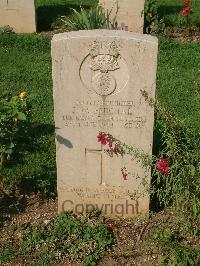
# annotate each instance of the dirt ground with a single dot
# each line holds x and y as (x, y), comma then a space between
(132, 246)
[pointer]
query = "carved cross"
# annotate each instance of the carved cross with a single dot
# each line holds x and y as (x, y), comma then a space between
(102, 153)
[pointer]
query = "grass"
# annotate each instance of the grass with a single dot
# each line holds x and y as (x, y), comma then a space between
(171, 9)
(26, 65)
(178, 79)
(48, 11)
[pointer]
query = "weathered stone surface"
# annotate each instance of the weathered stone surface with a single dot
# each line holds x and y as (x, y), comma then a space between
(18, 14)
(128, 13)
(98, 77)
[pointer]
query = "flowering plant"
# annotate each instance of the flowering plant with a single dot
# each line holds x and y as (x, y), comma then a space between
(14, 111)
(176, 166)
(186, 12)
(162, 166)
(187, 9)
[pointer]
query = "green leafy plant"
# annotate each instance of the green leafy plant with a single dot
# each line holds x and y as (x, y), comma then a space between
(176, 167)
(6, 30)
(77, 238)
(182, 148)
(14, 111)
(172, 251)
(8, 253)
(94, 18)
(152, 22)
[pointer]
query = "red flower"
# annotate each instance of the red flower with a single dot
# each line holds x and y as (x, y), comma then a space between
(189, 9)
(162, 166)
(186, 3)
(124, 174)
(102, 137)
(185, 11)
(105, 139)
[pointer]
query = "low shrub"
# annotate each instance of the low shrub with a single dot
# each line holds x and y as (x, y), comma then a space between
(172, 251)
(67, 237)
(152, 22)
(94, 18)
(6, 30)
(175, 166)
(14, 112)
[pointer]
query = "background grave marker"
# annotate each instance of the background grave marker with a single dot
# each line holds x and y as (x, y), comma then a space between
(18, 14)
(128, 13)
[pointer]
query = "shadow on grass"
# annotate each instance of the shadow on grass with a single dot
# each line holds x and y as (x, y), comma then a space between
(39, 175)
(164, 10)
(28, 141)
(47, 15)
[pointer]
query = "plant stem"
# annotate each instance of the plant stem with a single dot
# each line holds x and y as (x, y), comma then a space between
(2, 160)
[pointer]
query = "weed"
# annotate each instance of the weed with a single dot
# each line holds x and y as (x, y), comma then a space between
(175, 170)
(14, 111)
(77, 238)
(8, 253)
(172, 251)
(152, 24)
(6, 30)
(94, 18)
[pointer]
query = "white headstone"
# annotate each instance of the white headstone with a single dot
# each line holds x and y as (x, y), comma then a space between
(98, 77)
(129, 14)
(18, 14)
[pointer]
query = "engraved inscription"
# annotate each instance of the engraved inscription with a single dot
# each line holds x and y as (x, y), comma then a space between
(104, 115)
(98, 193)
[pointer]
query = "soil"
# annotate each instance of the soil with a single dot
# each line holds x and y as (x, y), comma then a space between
(132, 246)
(183, 35)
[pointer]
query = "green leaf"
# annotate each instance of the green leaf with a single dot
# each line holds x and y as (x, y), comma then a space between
(9, 148)
(21, 116)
